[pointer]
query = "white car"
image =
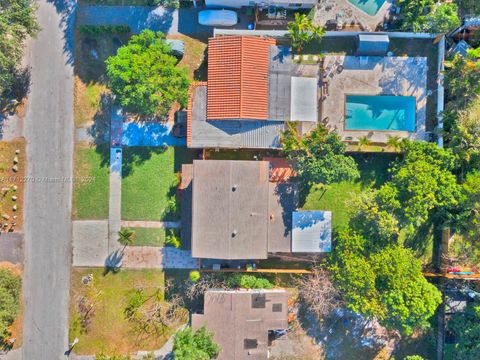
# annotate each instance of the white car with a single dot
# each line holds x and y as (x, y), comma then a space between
(217, 17)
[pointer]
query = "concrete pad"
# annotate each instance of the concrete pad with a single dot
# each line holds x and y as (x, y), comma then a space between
(142, 257)
(11, 247)
(90, 243)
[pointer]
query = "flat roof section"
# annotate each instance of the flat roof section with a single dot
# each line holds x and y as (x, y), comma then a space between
(303, 102)
(312, 231)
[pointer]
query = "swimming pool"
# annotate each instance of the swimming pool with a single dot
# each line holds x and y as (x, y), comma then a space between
(380, 112)
(371, 7)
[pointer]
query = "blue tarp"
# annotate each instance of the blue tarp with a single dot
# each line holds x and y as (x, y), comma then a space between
(149, 134)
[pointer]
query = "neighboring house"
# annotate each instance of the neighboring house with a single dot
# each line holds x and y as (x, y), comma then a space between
(238, 210)
(241, 320)
(253, 88)
(308, 4)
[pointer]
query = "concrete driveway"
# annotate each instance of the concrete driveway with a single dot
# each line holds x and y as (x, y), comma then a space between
(11, 247)
(169, 21)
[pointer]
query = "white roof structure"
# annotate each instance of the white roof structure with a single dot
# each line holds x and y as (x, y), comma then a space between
(303, 101)
(372, 44)
(311, 231)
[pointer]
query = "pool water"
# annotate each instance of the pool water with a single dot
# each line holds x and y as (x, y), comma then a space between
(371, 7)
(364, 112)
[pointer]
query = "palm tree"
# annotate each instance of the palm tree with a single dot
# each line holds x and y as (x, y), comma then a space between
(363, 141)
(302, 30)
(126, 236)
(394, 142)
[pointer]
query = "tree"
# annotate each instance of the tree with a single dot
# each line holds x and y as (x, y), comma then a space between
(414, 357)
(424, 182)
(386, 284)
(363, 142)
(373, 216)
(302, 30)
(318, 157)
(198, 345)
(144, 76)
(464, 138)
(10, 287)
(17, 22)
(318, 293)
(462, 82)
(442, 18)
(413, 14)
(466, 328)
(126, 236)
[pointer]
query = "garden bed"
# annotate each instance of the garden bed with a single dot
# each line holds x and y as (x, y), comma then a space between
(12, 184)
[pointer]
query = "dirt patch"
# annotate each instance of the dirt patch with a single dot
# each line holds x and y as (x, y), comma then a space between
(194, 58)
(12, 181)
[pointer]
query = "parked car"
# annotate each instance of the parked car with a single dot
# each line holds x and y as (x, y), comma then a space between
(217, 17)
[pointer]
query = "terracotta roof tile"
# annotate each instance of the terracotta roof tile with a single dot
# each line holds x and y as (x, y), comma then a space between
(238, 77)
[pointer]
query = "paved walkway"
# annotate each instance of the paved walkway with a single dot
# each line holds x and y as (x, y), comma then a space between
(150, 257)
(151, 224)
(11, 247)
(115, 199)
(11, 127)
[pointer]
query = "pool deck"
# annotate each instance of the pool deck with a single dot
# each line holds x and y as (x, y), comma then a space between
(374, 75)
(327, 10)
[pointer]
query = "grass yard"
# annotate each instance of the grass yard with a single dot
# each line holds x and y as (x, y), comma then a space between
(90, 191)
(194, 58)
(335, 197)
(86, 101)
(12, 184)
(108, 330)
(149, 182)
(149, 236)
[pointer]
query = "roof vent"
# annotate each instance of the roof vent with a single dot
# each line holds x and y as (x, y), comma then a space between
(234, 187)
(234, 233)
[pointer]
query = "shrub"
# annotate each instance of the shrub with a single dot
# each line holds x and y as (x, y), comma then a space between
(97, 30)
(173, 238)
(194, 276)
(247, 281)
(10, 286)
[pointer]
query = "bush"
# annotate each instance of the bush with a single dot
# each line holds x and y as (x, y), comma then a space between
(247, 281)
(10, 286)
(173, 238)
(194, 276)
(97, 30)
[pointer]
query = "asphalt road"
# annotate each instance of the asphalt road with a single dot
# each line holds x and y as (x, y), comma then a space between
(49, 134)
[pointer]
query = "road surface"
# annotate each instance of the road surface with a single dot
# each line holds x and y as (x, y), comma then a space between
(49, 134)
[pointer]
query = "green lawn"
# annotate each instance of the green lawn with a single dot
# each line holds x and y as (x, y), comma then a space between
(149, 182)
(149, 236)
(335, 197)
(108, 330)
(90, 190)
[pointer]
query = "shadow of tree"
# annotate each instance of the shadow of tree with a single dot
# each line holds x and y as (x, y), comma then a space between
(113, 262)
(137, 155)
(67, 11)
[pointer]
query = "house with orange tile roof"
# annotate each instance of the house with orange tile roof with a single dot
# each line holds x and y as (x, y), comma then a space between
(253, 88)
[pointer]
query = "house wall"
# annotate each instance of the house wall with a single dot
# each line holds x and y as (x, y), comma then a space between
(239, 3)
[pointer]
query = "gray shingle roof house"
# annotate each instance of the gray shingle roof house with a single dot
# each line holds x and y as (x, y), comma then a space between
(240, 320)
(236, 212)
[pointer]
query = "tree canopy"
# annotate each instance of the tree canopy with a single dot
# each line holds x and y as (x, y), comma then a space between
(17, 22)
(319, 156)
(10, 287)
(198, 345)
(302, 30)
(428, 16)
(466, 328)
(144, 76)
(386, 284)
